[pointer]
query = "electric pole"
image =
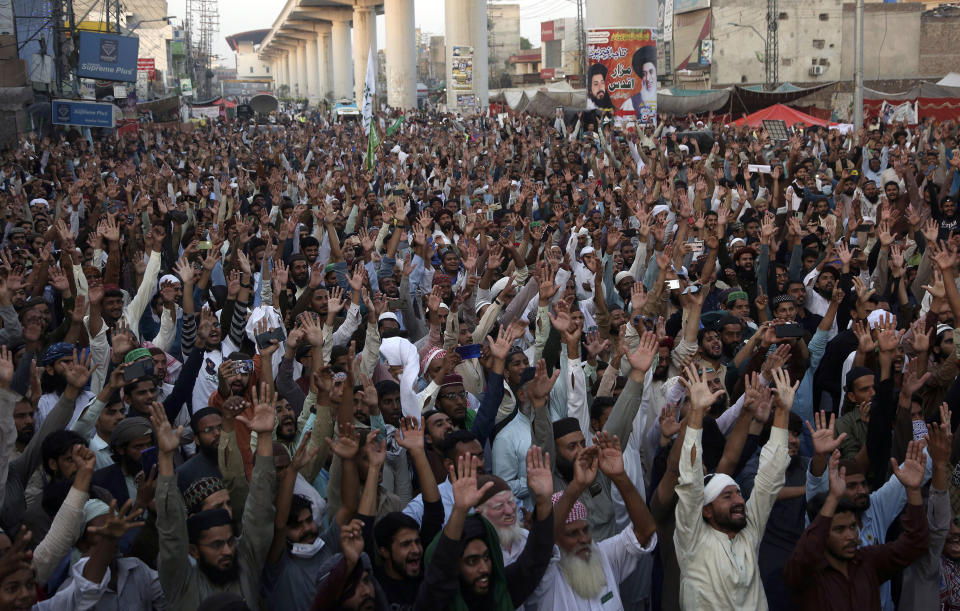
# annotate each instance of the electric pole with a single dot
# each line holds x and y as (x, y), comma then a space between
(582, 42)
(771, 52)
(858, 68)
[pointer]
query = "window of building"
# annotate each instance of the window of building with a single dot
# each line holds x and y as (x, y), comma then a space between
(787, 61)
(251, 69)
(824, 17)
(783, 16)
(268, 69)
(818, 43)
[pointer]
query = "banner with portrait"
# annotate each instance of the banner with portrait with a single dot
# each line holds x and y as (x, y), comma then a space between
(622, 73)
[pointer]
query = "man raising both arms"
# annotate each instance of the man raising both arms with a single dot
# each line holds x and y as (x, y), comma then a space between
(717, 534)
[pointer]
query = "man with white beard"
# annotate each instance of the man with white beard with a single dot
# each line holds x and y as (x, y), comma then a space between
(499, 507)
(585, 574)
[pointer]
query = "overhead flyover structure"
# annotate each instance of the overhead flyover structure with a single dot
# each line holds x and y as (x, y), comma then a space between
(319, 48)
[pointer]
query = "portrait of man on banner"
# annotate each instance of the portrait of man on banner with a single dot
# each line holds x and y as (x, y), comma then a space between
(644, 102)
(597, 95)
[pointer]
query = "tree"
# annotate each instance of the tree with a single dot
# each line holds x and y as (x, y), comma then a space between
(525, 44)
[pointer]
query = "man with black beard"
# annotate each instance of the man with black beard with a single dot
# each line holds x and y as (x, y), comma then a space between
(206, 424)
(802, 315)
(717, 532)
(876, 510)
(226, 563)
(24, 418)
(819, 285)
(445, 223)
(127, 442)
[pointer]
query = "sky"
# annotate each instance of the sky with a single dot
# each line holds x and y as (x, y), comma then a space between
(246, 15)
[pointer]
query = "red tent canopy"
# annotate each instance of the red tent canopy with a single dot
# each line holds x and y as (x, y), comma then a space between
(778, 111)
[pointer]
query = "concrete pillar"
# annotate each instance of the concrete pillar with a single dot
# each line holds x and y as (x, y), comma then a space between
(301, 69)
(287, 64)
(323, 69)
(466, 26)
(313, 73)
(620, 13)
(401, 54)
(342, 59)
(364, 39)
(328, 59)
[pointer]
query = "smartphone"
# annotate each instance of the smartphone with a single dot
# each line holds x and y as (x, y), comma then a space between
(393, 304)
(243, 367)
(789, 330)
(470, 351)
(673, 284)
(148, 459)
(205, 245)
(398, 191)
(535, 224)
(697, 248)
(263, 340)
(138, 370)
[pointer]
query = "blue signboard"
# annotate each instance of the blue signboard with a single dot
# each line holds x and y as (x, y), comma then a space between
(82, 114)
(108, 57)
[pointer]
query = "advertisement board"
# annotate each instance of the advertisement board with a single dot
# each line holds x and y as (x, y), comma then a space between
(622, 73)
(107, 57)
(186, 87)
(546, 31)
(462, 69)
(148, 65)
(82, 114)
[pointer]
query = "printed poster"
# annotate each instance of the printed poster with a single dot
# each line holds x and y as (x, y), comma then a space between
(622, 73)
(462, 68)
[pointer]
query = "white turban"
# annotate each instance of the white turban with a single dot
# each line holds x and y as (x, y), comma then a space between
(717, 484)
(621, 276)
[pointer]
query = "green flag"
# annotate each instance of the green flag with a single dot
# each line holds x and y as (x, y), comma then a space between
(396, 125)
(373, 141)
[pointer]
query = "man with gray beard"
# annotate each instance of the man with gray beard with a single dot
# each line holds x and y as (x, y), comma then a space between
(499, 507)
(585, 574)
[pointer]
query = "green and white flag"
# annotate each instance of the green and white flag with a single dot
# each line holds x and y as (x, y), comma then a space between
(369, 90)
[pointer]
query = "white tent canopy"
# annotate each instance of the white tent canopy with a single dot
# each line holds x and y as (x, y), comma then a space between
(951, 80)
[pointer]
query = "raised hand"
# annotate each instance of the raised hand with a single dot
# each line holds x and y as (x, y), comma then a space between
(351, 541)
(837, 475)
(501, 347)
(466, 495)
(411, 434)
(375, 449)
(264, 412)
(921, 336)
(821, 433)
(538, 389)
(346, 444)
(642, 358)
(940, 438)
(889, 338)
(585, 466)
(6, 367)
(696, 384)
(610, 456)
(166, 438)
(785, 392)
(79, 369)
(118, 522)
(910, 473)
(865, 342)
(539, 475)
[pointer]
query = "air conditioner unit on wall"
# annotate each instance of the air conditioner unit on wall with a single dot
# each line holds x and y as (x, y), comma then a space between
(816, 70)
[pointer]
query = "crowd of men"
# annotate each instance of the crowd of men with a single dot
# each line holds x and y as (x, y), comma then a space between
(497, 365)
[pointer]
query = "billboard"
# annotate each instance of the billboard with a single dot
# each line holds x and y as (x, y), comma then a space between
(547, 31)
(622, 73)
(108, 57)
(82, 114)
(462, 69)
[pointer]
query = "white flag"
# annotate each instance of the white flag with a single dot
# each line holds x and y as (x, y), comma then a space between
(369, 89)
